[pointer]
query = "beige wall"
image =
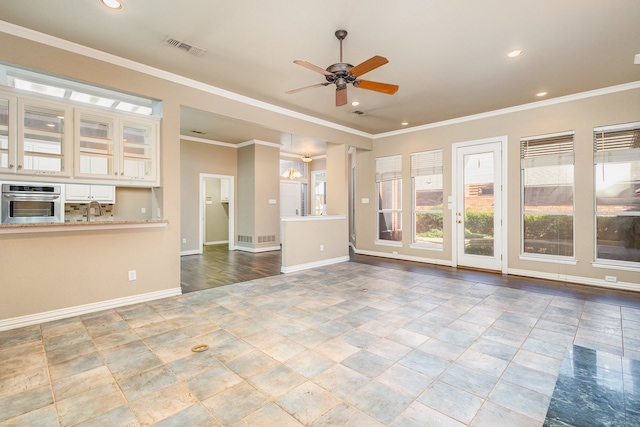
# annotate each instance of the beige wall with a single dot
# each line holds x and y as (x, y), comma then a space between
(302, 238)
(579, 115)
(80, 268)
(130, 201)
(197, 158)
(337, 188)
(246, 201)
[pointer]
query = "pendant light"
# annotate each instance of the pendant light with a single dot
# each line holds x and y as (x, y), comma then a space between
(291, 173)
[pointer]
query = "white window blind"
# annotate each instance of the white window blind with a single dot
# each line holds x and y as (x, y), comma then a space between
(547, 150)
(388, 168)
(615, 144)
(426, 163)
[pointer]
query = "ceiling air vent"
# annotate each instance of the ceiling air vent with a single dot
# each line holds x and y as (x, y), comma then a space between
(179, 44)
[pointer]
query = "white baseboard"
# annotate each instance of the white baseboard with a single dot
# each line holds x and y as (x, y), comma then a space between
(625, 286)
(191, 252)
(48, 316)
(220, 242)
(314, 264)
(436, 261)
(256, 250)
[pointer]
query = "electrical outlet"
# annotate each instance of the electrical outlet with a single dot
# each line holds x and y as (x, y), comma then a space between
(132, 275)
(143, 210)
(321, 248)
(613, 279)
(184, 240)
(158, 212)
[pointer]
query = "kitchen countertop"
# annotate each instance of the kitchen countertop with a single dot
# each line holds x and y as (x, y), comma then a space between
(80, 226)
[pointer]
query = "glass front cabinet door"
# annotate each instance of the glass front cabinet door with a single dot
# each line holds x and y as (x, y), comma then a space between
(138, 158)
(95, 145)
(7, 135)
(43, 145)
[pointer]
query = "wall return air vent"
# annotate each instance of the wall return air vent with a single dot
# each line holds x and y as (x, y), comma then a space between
(179, 44)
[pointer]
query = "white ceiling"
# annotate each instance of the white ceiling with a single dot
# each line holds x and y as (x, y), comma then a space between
(448, 57)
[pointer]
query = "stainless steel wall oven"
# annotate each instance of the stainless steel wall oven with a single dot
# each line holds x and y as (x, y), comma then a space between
(29, 203)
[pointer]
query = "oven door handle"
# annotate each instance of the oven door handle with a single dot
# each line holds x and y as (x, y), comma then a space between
(21, 198)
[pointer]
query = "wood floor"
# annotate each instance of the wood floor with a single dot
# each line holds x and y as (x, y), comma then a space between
(218, 266)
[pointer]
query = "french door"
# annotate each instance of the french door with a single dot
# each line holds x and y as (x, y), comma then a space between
(478, 222)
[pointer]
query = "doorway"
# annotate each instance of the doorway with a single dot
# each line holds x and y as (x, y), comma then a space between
(479, 216)
(290, 198)
(216, 210)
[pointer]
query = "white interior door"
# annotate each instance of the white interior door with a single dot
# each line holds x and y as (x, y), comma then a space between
(290, 198)
(478, 214)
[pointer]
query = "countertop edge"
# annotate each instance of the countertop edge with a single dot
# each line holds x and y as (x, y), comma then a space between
(80, 226)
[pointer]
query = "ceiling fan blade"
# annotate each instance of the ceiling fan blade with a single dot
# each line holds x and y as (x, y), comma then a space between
(312, 67)
(368, 65)
(300, 89)
(341, 97)
(376, 86)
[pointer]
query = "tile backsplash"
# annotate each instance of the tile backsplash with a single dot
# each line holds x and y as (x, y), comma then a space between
(77, 212)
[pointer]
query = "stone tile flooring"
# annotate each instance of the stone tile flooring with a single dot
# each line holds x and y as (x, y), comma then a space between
(343, 345)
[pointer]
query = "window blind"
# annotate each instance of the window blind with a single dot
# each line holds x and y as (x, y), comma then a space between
(426, 163)
(617, 144)
(388, 168)
(547, 150)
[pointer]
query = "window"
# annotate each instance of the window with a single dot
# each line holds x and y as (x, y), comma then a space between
(389, 185)
(617, 188)
(547, 164)
(426, 177)
(319, 194)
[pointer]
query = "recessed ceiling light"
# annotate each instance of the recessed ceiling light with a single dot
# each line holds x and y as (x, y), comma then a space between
(112, 4)
(355, 103)
(541, 93)
(404, 123)
(515, 53)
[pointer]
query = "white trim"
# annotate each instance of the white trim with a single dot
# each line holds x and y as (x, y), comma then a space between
(392, 243)
(191, 252)
(436, 261)
(515, 109)
(48, 40)
(258, 142)
(626, 286)
(202, 206)
(48, 316)
(219, 242)
(426, 247)
(621, 126)
(256, 250)
(312, 218)
(208, 141)
(553, 260)
(620, 265)
(307, 266)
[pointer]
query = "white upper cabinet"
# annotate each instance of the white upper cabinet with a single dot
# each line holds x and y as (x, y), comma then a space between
(42, 139)
(34, 137)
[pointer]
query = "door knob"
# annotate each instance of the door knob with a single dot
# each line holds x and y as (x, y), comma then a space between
(459, 221)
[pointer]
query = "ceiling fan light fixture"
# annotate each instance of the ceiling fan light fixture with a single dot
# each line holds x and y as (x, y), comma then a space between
(112, 4)
(515, 53)
(291, 173)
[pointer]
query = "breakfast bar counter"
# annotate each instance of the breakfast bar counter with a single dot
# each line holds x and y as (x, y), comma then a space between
(81, 226)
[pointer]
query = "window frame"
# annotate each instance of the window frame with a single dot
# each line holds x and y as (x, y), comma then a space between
(417, 164)
(607, 262)
(551, 258)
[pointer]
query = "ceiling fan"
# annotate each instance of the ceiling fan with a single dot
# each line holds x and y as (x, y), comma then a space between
(343, 73)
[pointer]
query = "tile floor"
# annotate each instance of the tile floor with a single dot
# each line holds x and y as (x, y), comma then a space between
(343, 345)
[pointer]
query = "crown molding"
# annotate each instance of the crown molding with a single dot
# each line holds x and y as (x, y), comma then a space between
(517, 108)
(72, 47)
(208, 141)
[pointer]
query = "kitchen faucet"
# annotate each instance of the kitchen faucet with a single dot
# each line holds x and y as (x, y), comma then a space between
(93, 203)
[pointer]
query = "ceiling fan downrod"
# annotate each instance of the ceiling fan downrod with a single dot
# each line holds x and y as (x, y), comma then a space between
(341, 35)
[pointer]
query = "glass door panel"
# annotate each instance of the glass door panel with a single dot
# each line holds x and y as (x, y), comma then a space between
(138, 152)
(478, 204)
(4, 134)
(95, 146)
(43, 139)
